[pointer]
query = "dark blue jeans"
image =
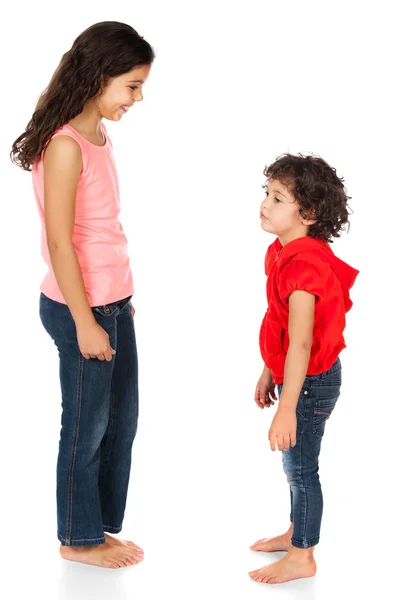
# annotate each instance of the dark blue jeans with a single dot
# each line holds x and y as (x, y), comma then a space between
(98, 424)
(317, 400)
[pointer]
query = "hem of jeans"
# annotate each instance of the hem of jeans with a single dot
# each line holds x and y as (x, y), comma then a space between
(84, 542)
(306, 544)
(110, 529)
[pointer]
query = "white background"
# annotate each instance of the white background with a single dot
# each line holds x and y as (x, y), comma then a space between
(234, 85)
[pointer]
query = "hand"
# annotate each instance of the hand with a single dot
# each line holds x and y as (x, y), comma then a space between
(133, 310)
(94, 342)
(265, 390)
(283, 429)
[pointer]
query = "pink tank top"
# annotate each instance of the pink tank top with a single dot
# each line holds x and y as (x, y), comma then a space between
(98, 237)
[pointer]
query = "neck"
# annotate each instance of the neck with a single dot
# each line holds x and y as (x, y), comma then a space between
(89, 120)
(293, 235)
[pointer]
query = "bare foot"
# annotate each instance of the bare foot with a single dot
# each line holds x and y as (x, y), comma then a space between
(103, 555)
(118, 542)
(292, 566)
(280, 543)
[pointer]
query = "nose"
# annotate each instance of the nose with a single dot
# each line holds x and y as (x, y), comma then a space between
(265, 203)
(138, 97)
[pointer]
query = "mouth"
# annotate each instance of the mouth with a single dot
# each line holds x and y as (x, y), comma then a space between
(125, 108)
(262, 216)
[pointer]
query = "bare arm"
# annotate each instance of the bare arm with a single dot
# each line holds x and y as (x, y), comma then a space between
(301, 324)
(62, 167)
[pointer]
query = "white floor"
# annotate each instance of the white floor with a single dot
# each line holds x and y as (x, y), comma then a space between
(193, 560)
(202, 490)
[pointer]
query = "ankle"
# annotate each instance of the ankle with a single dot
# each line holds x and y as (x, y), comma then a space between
(301, 554)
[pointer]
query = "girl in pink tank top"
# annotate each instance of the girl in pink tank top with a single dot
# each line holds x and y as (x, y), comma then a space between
(85, 297)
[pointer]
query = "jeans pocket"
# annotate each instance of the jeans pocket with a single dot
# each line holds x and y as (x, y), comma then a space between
(322, 412)
(304, 401)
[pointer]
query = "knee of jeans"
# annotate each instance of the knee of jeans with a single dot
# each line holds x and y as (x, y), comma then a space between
(289, 466)
(89, 443)
(293, 478)
(99, 428)
(306, 477)
(84, 446)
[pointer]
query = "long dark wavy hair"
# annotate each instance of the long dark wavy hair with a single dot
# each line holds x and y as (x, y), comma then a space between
(320, 193)
(103, 51)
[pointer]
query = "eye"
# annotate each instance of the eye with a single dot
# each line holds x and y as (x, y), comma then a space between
(277, 200)
(134, 87)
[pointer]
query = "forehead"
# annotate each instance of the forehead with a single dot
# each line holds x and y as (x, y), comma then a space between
(138, 74)
(276, 186)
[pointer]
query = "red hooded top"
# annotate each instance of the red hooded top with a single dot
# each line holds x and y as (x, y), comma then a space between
(305, 264)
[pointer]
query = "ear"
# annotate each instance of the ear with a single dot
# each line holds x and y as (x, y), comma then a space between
(308, 222)
(307, 217)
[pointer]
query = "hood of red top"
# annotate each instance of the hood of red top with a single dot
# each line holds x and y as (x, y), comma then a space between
(314, 247)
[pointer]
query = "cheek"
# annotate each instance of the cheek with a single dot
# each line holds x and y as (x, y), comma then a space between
(112, 97)
(106, 100)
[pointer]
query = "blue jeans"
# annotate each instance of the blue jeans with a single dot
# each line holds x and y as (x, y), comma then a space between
(98, 424)
(317, 400)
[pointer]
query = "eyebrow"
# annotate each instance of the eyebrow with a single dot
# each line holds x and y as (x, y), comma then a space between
(135, 81)
(277, 192)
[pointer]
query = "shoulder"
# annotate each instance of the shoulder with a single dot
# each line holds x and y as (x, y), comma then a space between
(303, 272)
(63, 150)
(63, 141)
(313, 259)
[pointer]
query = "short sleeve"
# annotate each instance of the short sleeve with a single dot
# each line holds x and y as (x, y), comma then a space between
(301, 275)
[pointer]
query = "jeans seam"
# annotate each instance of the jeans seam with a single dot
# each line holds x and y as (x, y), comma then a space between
(68, 541)
(305, 543)
(73, 453)
(304, 516)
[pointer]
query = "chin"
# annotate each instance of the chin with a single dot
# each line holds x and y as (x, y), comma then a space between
(266, 227)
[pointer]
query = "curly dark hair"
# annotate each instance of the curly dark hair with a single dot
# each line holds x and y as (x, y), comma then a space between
(320, 193)
(103, 51)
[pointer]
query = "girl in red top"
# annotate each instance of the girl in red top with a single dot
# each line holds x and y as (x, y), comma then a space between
(301, 337)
